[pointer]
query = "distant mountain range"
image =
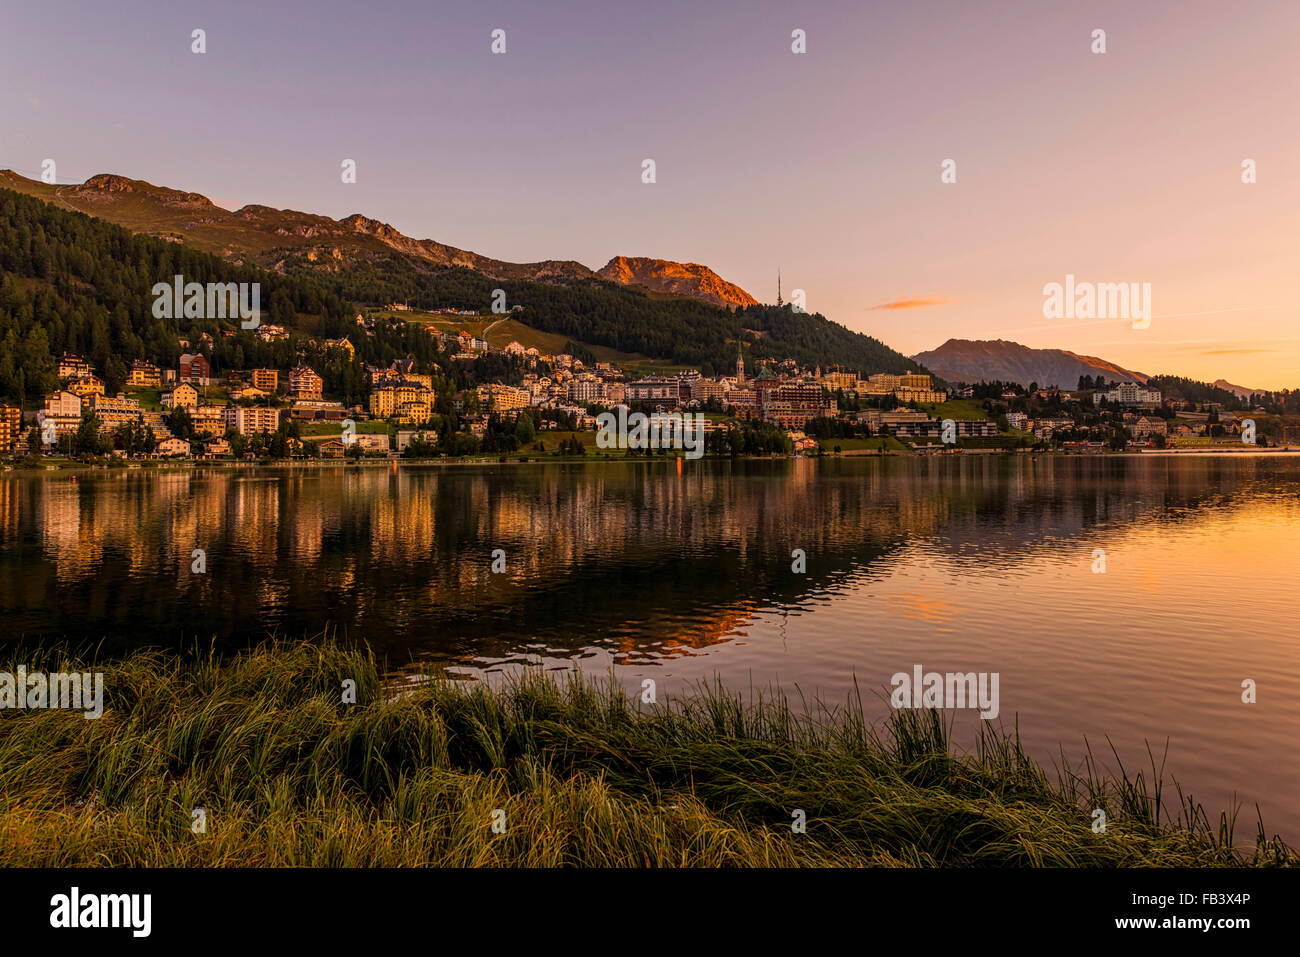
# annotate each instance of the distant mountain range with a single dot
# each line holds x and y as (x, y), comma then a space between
(997, 360)
(283, 239)
(1240, 391)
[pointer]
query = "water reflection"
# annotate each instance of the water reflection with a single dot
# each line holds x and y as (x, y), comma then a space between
(971, 564)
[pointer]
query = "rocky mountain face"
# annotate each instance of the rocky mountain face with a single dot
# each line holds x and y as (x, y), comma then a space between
(997, 360)
(679, 279)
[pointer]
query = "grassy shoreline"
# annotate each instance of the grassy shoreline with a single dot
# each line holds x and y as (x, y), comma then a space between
(290, 775)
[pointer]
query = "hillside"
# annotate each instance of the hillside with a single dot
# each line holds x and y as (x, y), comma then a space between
(681, 279)
(81, 284)
(997, 360)
(272, 238)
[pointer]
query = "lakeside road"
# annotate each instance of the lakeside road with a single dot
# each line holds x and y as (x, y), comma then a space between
(596, 458)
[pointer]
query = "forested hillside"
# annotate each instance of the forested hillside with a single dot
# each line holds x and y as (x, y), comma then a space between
(72, 283)
(598, 312)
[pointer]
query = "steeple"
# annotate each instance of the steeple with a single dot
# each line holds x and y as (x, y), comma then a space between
(740, 365)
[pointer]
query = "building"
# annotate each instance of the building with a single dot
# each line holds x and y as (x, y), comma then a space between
(401, 370)
(412, 413)
(686, 381)
(144, 375)
(270, 333)
(393, 394)
(1044, 428)
(791, 403)
(928, 396)
(743, 401)
(654, 390)
(172, 447)
(155, 421)
(305, 384)
(974, 427)
(1017, 420)
(11, 428)
(62, 412)
(502, 398)
(1148, 426)
(208, 419)
(705, 389)
(63, 403)
(376, 442)
(871, 418)
(1129, 394)
(587, 389)
(86, 385)
(183, 396)
(848, 381)
(113, 412)
(252, 420)
(193, 368)
(906, 423)
(247, 392)
(215, 447)
(332, 449)
(70, 366)
(404, 438)
(884, 382)
(318, 410)
(268, 380)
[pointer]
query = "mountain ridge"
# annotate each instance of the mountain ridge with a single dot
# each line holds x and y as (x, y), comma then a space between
(683, 279)
(266, 236)
(1001, 360)
(279, 239)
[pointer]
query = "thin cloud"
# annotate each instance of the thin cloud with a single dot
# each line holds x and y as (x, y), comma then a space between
(912, 302)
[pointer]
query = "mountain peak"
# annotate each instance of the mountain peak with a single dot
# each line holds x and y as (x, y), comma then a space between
(999, 360)
(680, 279)
(113, 183)
(1240, 391)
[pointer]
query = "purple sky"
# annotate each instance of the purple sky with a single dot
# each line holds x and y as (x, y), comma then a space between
(1117, 167)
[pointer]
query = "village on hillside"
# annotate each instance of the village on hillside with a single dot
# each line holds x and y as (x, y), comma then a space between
(191, 412)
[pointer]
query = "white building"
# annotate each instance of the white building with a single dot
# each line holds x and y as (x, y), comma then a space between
(1129, 394)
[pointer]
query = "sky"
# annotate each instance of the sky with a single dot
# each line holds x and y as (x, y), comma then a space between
(1122, 166)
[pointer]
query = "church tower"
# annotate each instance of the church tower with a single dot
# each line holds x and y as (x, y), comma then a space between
(740, 366)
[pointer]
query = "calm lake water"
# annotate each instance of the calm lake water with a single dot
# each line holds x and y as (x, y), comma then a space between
(963, 564)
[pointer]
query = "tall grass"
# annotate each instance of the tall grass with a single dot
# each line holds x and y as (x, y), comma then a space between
(289, 775)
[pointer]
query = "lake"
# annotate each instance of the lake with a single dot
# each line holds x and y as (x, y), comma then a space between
(1120, 597)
